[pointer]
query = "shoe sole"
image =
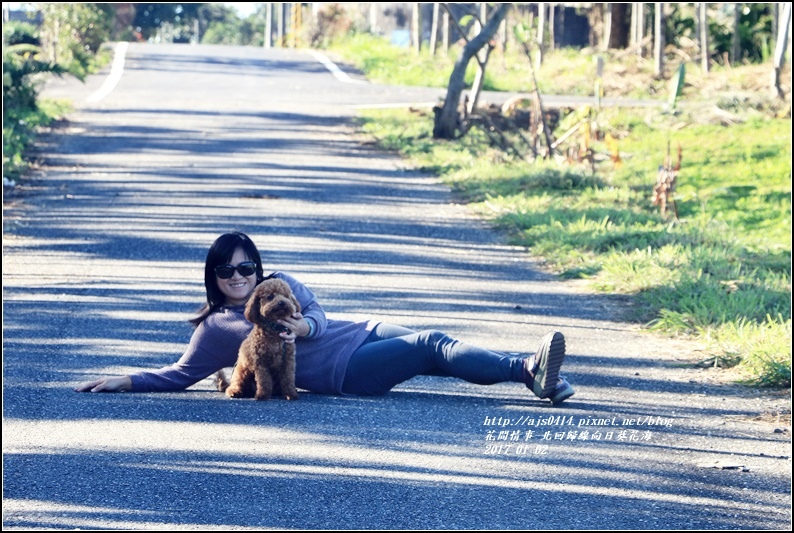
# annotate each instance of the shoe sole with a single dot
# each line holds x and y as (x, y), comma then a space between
(551, 353)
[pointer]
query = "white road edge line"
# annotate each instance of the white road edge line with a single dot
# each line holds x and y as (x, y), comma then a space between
(116, 70)
(341, 76)
(331, 66)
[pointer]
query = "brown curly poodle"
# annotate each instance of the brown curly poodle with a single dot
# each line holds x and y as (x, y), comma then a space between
(264, 356)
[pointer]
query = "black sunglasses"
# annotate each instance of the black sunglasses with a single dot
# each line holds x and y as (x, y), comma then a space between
(245, 268)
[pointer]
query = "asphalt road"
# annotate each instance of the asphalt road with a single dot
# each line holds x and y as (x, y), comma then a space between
(103, 251)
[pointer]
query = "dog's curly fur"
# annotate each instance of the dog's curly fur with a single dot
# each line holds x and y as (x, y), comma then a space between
(264, 356)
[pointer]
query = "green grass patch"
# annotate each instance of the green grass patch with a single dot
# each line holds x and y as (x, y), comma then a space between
(20, 128)
(392, 65)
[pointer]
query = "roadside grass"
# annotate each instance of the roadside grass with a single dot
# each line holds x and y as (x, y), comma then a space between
(720, 272)
(21, 126)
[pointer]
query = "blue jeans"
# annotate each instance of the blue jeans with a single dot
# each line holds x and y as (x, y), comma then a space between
(393, 354)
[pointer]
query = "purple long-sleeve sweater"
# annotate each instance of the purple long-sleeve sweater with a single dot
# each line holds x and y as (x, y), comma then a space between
(321, 360)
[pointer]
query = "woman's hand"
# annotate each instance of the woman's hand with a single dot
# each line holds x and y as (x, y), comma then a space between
(298, 327)
(109, 384)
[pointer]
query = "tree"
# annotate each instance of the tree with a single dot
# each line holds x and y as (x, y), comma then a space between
(220, 24)
(448, 119)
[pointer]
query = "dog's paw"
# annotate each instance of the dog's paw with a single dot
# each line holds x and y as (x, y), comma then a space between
(221, 382)
(235, 392)
(291, 396)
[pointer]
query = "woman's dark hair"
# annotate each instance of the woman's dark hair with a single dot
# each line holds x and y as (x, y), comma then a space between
(220, 253)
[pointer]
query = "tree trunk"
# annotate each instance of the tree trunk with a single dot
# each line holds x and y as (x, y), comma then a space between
(268, 42)
(434, 30)
(416, 31)
(541, 30)
(483, 19)
(482, 61)
(780, 47)
(447, 118)
(621, 26)
(445, 32)
(638, 26)
(736, 51)
(658, 39)
(595, 19)
(479, 78)
(704, 37)
(607, 27)
(503, 39)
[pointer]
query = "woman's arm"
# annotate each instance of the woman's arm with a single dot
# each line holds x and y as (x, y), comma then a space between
(213, 346)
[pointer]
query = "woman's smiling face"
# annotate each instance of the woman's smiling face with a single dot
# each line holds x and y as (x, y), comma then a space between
(237, 289)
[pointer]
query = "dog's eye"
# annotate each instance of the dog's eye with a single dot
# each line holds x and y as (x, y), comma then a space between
(270, 297)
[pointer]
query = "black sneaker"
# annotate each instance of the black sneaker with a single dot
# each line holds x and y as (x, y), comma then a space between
(543, 370)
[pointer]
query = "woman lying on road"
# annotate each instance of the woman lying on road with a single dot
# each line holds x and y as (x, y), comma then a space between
(333, 356)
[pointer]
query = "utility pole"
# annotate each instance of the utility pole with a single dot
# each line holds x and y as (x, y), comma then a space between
(373, 19)
(296, 24)
(282, 13)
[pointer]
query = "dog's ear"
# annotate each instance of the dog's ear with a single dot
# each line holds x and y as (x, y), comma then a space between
(252, 308)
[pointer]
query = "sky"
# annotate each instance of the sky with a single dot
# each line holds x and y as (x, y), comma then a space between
(243, 8)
